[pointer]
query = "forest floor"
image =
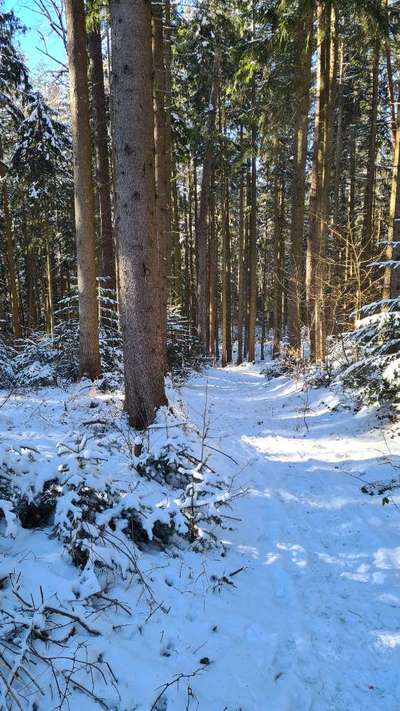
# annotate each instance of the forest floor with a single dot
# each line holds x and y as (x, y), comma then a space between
(302, 613)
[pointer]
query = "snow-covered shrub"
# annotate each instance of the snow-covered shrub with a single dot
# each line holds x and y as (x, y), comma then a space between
(275, 369)
(321, 375)
(66, 336)
(167, 466)
(374, 368)
(46, 360)
(7, 371)
(37, 361)
(184, 351)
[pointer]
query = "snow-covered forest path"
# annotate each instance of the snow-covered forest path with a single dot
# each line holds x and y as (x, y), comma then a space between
(314, 622)
(302, 610)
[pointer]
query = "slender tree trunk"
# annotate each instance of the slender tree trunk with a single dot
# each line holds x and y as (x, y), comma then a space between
(202, 222)
(241, 258)
(186, 258)
(193, 241)
(367, 229)
(103, 181)
(336, 218)
(10, 255)
(278, 266)
(167, 54)
(133, 145)
(11, 267)
(351, 205)
(247, 259)
(162, 165)
(50, 290)
(303, 77)
(394, 105)
(331, 69)
(251, 342)
(226, 354)
(319, 199)
(391, 279)
(30, 289)
(84, 196)
(213, 259)
(264, 293)
(174, 266)
(191, 246)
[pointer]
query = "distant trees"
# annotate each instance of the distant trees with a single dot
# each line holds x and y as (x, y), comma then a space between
(254, 181)
(13, 81)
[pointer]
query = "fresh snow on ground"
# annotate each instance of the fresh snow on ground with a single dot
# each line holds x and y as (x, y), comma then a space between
(302, 612)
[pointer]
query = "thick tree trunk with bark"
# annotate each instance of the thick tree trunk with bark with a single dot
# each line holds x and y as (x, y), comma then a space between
(83, 184)
(103, 181)
(133, 150)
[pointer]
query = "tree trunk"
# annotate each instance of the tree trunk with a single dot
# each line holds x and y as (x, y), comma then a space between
(278, 266)
(192, 237)
(336, 216)
(367, 229)
(167, 54)
(186, 304)
(103, 181)
(391, 279)
(251, 336)
(162, 165)
(303, 77)
(201, 231)
(213, 263)
(264, 293)
(50, 290)
(133, 146)
(241, 259)
(319, 198)
(30, 269)
(226, 354)
(394, 105)
(11, 267)
(10, 256)
(84, 196)
(175, 270)
(247, 259)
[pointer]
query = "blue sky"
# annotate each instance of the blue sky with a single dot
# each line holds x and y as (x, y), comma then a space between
(31, 40)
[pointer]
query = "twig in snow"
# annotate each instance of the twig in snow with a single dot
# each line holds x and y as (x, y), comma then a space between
(177, 679)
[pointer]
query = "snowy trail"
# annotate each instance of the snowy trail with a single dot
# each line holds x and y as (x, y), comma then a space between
(312, 622)
(317, 612)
